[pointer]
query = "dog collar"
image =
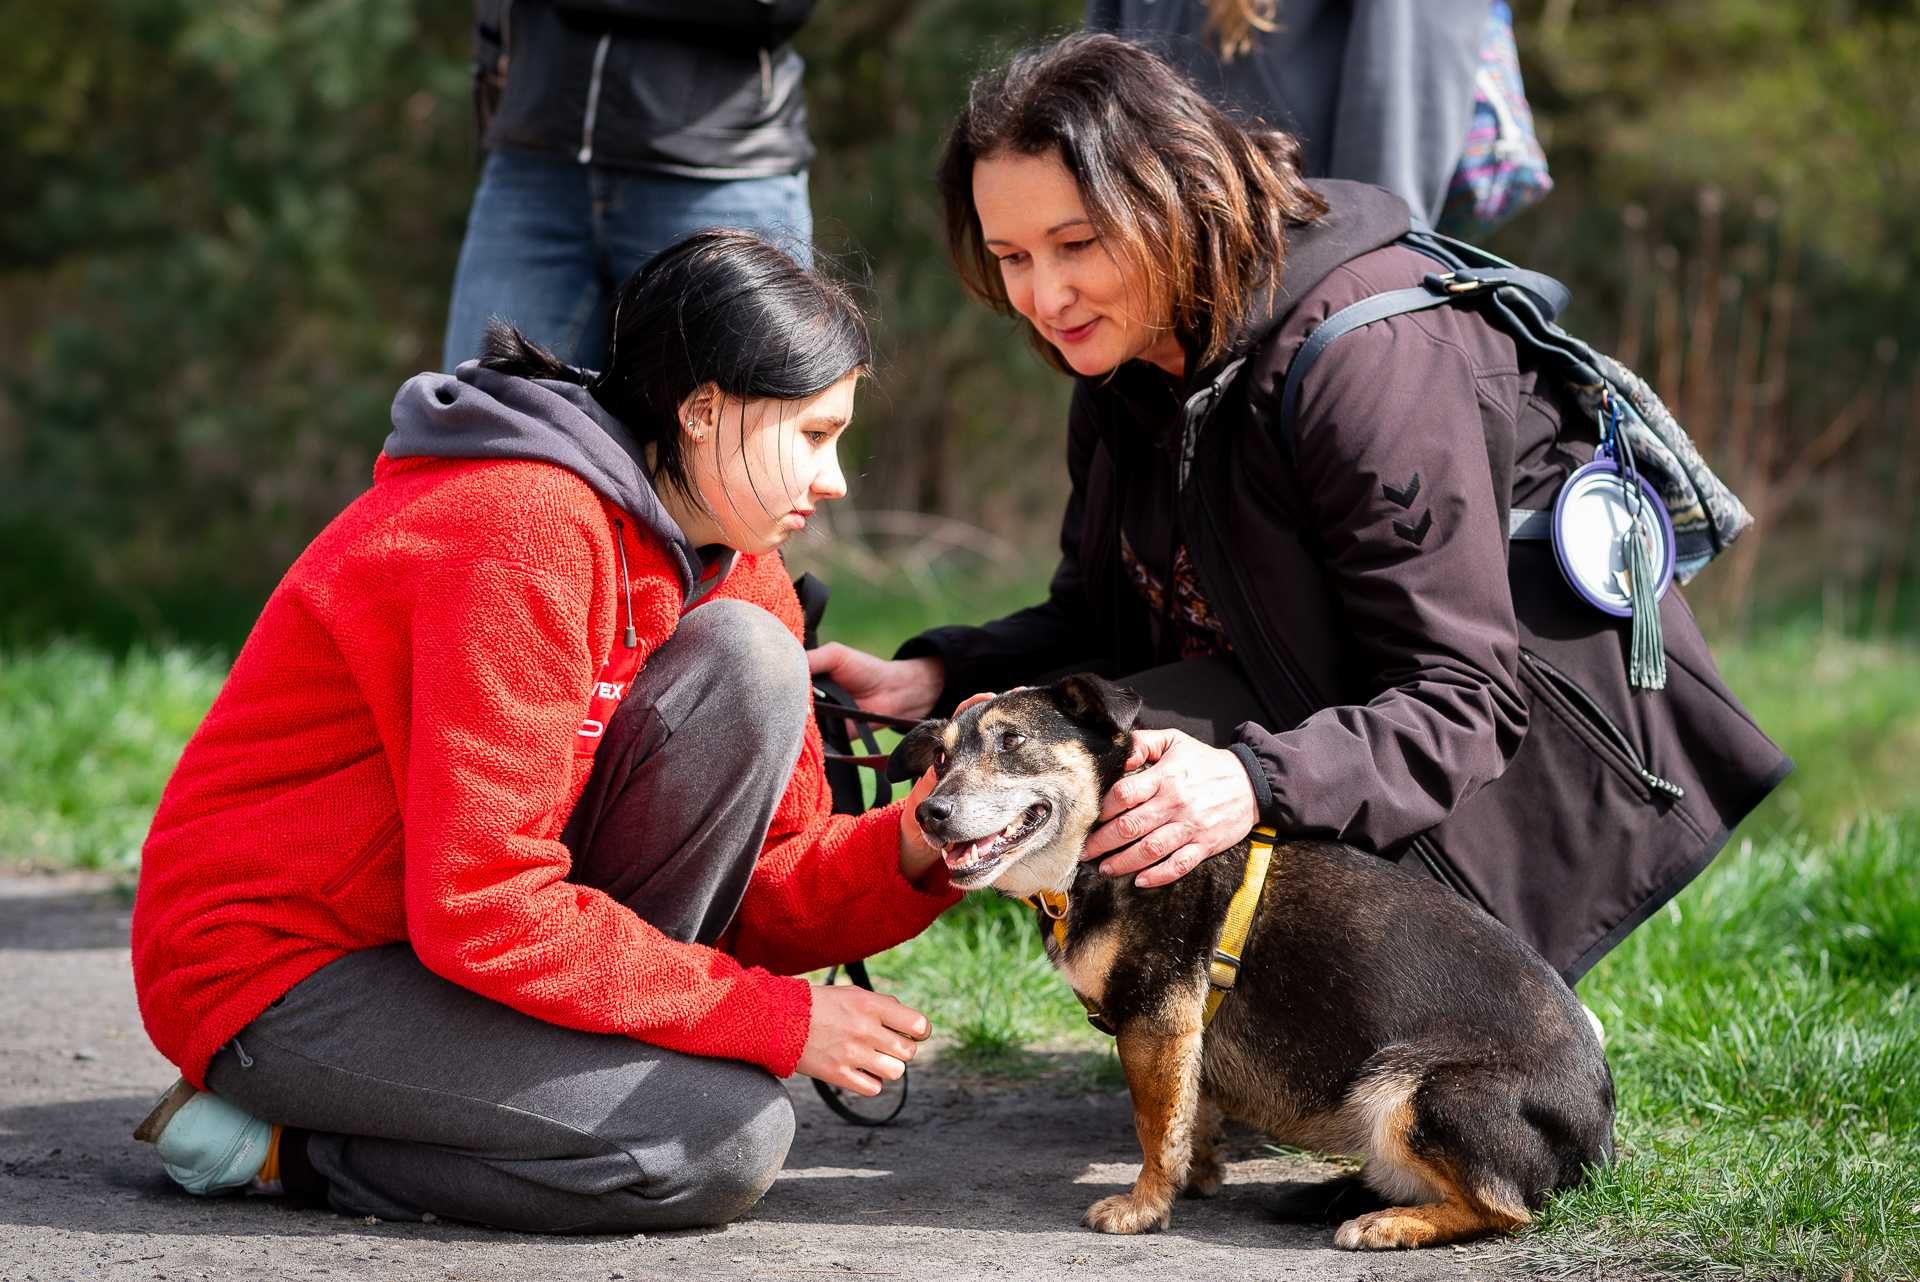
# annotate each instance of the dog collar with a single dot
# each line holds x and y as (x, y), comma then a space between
(1053, 904)
(1224, 971)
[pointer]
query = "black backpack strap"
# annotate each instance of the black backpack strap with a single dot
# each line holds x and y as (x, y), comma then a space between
(1472, 274)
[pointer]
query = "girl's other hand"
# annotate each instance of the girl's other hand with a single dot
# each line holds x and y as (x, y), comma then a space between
(858, 1040)
(892, 687)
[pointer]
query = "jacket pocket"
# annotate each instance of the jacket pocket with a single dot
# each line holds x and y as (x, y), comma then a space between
(375, 847)
(1584, 715)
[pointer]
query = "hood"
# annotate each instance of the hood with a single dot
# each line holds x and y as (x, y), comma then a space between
(480, 413)
(1360, 218)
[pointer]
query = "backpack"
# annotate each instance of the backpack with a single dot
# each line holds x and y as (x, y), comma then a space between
(1633, 423)
(1707, 517)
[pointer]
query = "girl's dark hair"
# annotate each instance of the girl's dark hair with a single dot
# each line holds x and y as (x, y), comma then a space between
(1188, 202)
(722, 307)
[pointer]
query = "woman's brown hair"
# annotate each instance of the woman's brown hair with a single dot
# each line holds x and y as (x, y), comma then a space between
(1188, 202)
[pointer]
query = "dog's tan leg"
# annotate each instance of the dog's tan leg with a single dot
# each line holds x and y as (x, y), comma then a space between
(1205, 1172)
(1456, 1219)
(1457, 1211)
(1163, 1073)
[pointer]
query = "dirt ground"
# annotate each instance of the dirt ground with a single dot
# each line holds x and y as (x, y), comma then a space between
(975, 1179)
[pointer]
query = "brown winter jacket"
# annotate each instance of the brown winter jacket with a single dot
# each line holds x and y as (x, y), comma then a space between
(1429, 690)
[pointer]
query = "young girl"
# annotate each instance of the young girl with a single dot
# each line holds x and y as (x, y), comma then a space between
(476, 891)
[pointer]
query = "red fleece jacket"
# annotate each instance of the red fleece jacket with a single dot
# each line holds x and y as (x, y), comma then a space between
(394, 755)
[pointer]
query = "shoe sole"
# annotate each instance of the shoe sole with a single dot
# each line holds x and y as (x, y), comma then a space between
(148, 1132)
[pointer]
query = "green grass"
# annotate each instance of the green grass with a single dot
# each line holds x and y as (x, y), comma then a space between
(1764, 1032)
(1764, 1028)
(87, 742)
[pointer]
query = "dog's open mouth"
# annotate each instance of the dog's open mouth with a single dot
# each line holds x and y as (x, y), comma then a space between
(972, 862)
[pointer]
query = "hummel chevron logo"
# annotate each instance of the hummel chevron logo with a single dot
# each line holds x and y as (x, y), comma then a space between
(1415, 534)
(1403, 498)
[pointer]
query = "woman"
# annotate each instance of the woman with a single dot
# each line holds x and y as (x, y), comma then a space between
(475, 893)
(1331, 631)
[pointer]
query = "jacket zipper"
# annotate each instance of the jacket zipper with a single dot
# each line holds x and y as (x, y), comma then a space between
(368, 853)
(593, 98)
(1588, 710)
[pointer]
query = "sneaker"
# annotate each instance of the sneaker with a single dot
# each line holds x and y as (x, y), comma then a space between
(1599, 1029)
(206, 1144)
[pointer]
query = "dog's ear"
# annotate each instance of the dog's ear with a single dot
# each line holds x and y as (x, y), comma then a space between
(919, 750)
(1097, 703)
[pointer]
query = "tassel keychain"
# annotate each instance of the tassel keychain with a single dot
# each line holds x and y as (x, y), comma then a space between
(1647, 651)
(1614, 542)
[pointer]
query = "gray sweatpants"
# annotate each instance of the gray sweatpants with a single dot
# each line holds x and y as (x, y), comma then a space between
(423, 1097)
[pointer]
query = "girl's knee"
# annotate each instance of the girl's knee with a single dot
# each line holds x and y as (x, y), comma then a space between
(762, 668)
(735, 1177)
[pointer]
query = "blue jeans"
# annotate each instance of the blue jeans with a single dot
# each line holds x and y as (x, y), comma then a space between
(550, 241)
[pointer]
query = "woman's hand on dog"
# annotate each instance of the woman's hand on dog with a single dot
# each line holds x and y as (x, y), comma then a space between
(858, 1040)
(1181, 802)
(891, 687)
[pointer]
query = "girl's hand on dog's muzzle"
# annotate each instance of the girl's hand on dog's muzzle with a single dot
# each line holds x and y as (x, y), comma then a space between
(1186, 802)
(859, 1040)
(917, 854)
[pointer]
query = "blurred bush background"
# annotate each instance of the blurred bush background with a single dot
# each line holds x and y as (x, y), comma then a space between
(227, 232)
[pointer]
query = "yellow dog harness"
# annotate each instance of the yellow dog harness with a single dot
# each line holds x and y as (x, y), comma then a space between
(1224, 970)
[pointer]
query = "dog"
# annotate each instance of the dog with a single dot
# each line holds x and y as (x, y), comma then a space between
(1374, 1012)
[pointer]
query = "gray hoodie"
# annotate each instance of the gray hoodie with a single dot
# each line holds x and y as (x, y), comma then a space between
(478, 413)
(1379, 91)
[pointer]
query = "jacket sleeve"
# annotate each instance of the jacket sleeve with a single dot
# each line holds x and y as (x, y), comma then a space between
(502, 673)
(1042, 638)
(828, 888)
(1391, 461)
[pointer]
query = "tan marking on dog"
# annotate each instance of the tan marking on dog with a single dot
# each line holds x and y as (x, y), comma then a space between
(1089, 962)
(1379, 1112)
(1395, 1171)
(1163, 1077)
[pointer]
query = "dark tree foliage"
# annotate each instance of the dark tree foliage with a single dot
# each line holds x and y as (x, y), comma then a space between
(227, 231)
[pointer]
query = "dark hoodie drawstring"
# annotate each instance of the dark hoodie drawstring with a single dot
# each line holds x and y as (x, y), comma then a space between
(631, 637)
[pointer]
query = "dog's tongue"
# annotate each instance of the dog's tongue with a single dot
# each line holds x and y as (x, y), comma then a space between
(962, 854)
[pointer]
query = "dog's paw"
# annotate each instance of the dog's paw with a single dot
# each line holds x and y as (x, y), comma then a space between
(1123, 1213)
(1389, 1230)
(1204, 1181)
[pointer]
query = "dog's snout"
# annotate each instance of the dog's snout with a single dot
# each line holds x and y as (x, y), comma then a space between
(933, 812)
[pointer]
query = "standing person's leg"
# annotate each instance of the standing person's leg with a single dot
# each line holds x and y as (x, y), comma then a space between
(528, 255)
(412, 1095)
(644, 213)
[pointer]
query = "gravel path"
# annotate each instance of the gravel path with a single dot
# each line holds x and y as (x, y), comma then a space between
(976, 1180)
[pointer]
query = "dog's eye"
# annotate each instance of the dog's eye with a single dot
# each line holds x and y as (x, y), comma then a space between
(1010, 740)
(940, 764)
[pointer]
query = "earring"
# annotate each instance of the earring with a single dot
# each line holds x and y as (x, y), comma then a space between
(695, 432)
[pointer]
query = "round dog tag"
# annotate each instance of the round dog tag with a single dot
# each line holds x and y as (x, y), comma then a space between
(1590, 522)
